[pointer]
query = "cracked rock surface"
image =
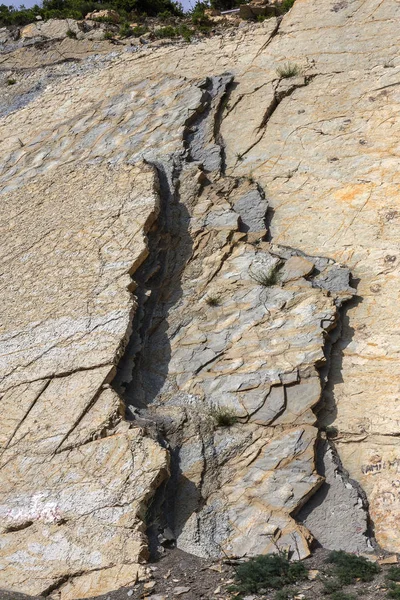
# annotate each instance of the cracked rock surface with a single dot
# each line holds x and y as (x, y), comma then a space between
(174, 228)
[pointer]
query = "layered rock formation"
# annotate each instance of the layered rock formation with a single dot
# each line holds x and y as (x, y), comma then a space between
(174, 228)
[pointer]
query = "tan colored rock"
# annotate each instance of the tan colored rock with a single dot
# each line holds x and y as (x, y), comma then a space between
(104, 15)
(321, 145)
(51, 29)
(73, 502)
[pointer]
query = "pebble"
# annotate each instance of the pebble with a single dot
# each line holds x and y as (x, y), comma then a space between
(149, 585)
(181, 590)
(130, 593)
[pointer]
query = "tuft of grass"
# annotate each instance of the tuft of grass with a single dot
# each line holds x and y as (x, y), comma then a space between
(288, 70)
(11, 81)
(239, 156)
(71, 34)
(266, 278)
(269, 571)
(213, 300)
(349, 567)
(108, 35)
(393, 574)
(223, 416)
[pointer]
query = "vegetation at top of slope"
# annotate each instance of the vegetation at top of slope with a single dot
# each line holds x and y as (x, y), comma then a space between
(78, 9)
(127, 9)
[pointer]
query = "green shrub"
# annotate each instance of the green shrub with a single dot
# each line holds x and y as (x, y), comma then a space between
(268, 571)
(108, 35)
(11, 81)
(78, 9)
(288, 70)
(71, 34)
(349, 567)
(199, 18)
(125, 30)
(166, 15)
(223, 416)
(393, 574)
(166, 32)
(139, 30)
(394, 591)
(185, 32)
(331, 586)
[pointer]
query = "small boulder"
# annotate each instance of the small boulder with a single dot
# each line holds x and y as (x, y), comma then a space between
(110, 16)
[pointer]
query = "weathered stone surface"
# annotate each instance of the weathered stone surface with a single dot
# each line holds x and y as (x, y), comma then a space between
(51, 29)
(67, 255)
(108, 15)
(207, 333)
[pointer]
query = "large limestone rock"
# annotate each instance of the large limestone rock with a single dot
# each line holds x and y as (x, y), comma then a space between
(222, 318)
(75, 478)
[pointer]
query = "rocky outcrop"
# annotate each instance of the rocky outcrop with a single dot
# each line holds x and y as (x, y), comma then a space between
(174, 228)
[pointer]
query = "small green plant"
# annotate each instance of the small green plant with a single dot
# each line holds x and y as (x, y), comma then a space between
(269, 571)
(223, 416)
(213, 300)
(185, 32)
(125, 30)
(267, 277)
(139, 30)
(71, 34)
(288, 70)
(166, 32)
(393, 574)
(394, 591)
(11, 81)
(108, 35)
(349, 567)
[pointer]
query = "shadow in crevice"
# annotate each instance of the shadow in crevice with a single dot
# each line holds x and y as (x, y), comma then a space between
(142, 371)
(332, 373)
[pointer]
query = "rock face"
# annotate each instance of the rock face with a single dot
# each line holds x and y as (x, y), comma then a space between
(175, 229)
